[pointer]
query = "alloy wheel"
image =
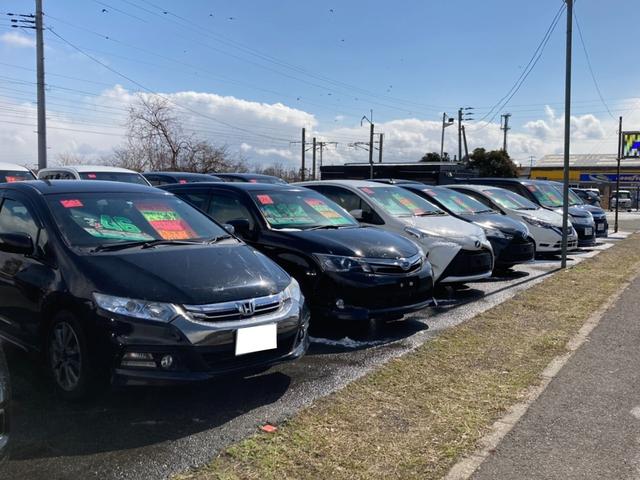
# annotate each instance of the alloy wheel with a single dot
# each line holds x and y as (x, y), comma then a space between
(65, 356)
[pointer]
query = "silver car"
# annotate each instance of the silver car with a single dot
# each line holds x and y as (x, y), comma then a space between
(458, 251)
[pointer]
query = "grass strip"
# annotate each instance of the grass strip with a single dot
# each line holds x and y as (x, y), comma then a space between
(418, 414)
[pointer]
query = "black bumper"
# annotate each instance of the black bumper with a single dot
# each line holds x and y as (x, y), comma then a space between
(602, 227)
(510, 252)
(468, 263)
(214, 357)
(586, 235)
(363, 296)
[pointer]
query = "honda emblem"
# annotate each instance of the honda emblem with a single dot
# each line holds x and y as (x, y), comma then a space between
(246, 309)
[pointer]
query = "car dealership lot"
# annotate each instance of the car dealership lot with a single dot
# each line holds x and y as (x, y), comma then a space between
(152, 433)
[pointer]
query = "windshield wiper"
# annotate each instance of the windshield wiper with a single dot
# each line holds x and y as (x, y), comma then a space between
(329, 227)
(112, 247)
(527, 208)
(218, 238)
(428, 214)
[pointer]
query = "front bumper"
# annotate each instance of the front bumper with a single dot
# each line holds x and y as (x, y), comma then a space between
(203, 350)
(602, 226)
(468, 266)
(510, 252)
(366, 296)
(586, 234)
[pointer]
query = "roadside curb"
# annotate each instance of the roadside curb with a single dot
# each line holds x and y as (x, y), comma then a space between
(465, 468)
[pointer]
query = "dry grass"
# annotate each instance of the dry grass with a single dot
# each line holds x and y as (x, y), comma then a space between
(418, 414)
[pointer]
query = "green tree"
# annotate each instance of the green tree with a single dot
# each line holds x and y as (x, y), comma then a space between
(432, 157)
(495, 163)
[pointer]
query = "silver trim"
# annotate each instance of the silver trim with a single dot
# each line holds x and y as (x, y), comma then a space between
(244, 308)
(404, 264)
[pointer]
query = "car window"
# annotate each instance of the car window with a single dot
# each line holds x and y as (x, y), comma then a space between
(225, 208)
(507, 199)
(114, 177)
(16, 218)
(455, 201)
(91, 219)
(10, 176)
(547, 195)
(399, 202)
(156, 180)
(343, 197)
(199, 200)
(478, 197)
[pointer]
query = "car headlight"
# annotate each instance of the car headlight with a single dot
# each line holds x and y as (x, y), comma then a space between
(537, 223)
(495, 233)
(421, 233)
(156, 311)
(293, 291)
(338, 263)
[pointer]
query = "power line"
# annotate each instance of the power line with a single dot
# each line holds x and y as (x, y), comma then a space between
(593, 76)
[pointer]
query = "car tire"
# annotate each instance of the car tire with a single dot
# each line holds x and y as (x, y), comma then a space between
(67, 358)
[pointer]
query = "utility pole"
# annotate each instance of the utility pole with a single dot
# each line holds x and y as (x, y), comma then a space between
(321, 145)
(42, 120)
(462, 115)
(567, 134)
(371, 134)
(446, 122)
(304, 149)
(313, 163)
(464, 138)
(617, 195)
(504, 126)
(381, 137)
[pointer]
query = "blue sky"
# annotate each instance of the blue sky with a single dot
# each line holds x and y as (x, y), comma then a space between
(333, 62)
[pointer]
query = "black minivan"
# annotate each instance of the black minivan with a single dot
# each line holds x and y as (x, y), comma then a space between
(346, 271)
(109, 278)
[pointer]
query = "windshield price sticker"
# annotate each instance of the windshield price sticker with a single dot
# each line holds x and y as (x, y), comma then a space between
(285, 214)
(71, 203)
(326, 211)
(13, 179)
(265, 199)
(407, 203)
(367, 190)
(107, 226)
(166, 222)
(93, 176)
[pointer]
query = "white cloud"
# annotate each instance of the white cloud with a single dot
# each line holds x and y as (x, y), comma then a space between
(264, 131)
(17, 39)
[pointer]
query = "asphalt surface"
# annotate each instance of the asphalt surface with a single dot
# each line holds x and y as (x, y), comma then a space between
(586, 424)
(153, 433)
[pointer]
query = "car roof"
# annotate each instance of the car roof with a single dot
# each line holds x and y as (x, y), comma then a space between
(181, 174)
(346, 183)
(13, 166)
(246, 175)
(52, 187)
(241, 186)
(477, 188)
(89, 168)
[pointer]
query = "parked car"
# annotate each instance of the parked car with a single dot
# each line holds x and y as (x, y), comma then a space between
(397, 181)
(92, 172)
(623, 196)
(546, 195)
(5, 399)
(163, 178)
(598, 214)
(588, 196)
(545, 226)
(131, 282)
(249, 178)
(459, 252)
(11, 172)
(509, 238)
(346, 271)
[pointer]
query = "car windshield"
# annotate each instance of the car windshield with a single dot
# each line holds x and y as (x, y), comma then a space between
(93, 219)
(300, 210)
(507, 199)
(457, 202)
(10, 176)
(125, 177)
(196, 179)
(548, 195)
(398, 202)
(574, 199)
(269, 180)
(622, 195)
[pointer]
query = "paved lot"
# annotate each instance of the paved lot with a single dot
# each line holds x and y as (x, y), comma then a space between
(152, 433)
(586, 424)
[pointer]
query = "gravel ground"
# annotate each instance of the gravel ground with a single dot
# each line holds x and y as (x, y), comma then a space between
(153, 433)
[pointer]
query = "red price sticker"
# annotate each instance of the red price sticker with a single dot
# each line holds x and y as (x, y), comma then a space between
(182, 181)
(92, 176)
(312, 202)
(367, 190)
(12, 179)
(265, 200)
(253, 180)
(72, 203)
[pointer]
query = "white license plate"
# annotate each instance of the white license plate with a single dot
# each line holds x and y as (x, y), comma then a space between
(600, 226)
(256, 339)
(588, 231)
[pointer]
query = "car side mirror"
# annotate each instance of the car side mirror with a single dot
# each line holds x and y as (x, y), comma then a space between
(229, 228)
(240, 226)
(16, 243)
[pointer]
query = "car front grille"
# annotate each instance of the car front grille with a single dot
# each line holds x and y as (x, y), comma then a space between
(236, 310)
(400, 266)
(468, 263)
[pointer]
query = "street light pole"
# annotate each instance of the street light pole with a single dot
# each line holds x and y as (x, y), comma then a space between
(617, 195)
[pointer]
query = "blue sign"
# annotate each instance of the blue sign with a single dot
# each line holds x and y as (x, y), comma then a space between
(610, 177)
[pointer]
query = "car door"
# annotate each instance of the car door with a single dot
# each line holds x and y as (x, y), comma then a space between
(24, 279)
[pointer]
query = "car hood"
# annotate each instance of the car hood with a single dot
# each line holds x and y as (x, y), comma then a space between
(198, 274)
(549, 216)
(574, 211)
(369, 242)
(596, 211)
(498, 222)
(446, 227)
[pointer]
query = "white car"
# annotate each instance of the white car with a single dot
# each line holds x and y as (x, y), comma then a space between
(545, 226)
(11, 172)
(457, 250)
(92, 172)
